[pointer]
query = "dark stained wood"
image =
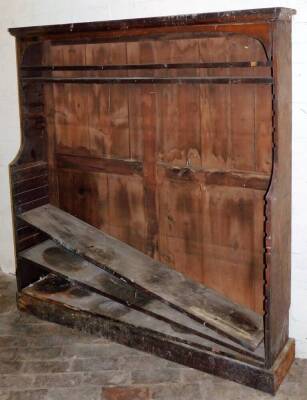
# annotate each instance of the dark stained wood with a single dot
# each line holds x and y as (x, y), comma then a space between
(119, 202)
(29, 170)
(106, 165)
(61, 290)
(61, 262)
(263, 129)
(192, 172)
(119, 67)
(70, 106)
(211, 177)
(51, 135)
(75, 307)
(30, 184)
(24, 240)
(260, 31)
(27, 272)
(264, 14)
(126, 210)
(137, 80)
(28, 195)
(29, 189)
(200, 303)
(108, 105)
(232, 244)
(278, 202)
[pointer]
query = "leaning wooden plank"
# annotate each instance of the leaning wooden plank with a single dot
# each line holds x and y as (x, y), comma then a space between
(199, 302)
(58, 260)
(80, 297)
(74, 307)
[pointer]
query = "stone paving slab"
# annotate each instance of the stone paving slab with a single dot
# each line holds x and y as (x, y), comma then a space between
(45, 361)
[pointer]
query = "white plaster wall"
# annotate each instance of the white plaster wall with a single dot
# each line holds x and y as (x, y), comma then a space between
(15, 13)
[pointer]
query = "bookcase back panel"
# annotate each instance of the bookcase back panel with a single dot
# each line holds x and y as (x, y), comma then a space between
(204, 126)
(178, 171)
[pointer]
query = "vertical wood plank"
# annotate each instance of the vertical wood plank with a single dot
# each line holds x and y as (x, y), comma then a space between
(243, 127)
(51, 134)
(278, 201)
(215, 107)
(126, 210)
(84, 195)
(179, 137)
(232, 244)
(108, 104)
(263, 128)
(71, 105)
(181, 227)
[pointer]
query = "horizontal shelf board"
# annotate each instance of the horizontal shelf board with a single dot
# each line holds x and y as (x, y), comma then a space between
(176, 21)
(30, 184)
(84, 299)
(21, 208)
(31, 195)
(147, 80)
(28, 171)
(197, 301)
(57, 260)
(131, 167)
(25, 240)
(214, 177)
(106, 165)
(119, 67)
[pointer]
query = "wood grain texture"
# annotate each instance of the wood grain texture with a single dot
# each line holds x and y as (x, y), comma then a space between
(239, 16)
(108, 105)
(70, 105)
(63, 263)
(278, 202)
(52, 304)
(167, 133)
(199, 302)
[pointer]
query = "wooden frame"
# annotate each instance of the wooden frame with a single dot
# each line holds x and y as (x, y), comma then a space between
(251, 177)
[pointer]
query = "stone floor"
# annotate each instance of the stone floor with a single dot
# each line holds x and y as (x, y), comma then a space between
(40, 361)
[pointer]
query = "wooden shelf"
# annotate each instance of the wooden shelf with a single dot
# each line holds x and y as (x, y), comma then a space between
(57, 300)
(135, 268)
(68, 293)
(157, 80)
(57, 260)
(134, 167)
(119, 67)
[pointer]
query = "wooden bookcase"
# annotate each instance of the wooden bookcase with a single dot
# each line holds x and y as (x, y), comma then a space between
(171, 135)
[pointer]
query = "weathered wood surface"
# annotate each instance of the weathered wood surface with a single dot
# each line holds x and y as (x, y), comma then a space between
(59, 289)
(144, 191)
(130, 167)
(73, 306)
(199, 302)
(106, 165)
(222, 17)
(210, 229)
(29, 189)
(146, 80)
(118, 67)
(57, 260)
(278, 202)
